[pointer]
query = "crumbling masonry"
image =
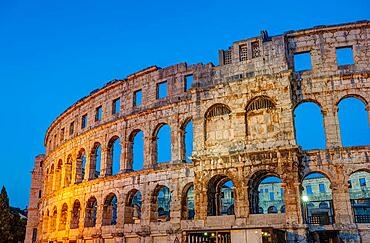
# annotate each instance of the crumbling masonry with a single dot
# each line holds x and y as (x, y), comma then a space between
(242, 113)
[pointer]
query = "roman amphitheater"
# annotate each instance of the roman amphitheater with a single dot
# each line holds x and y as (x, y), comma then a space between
(118, 167)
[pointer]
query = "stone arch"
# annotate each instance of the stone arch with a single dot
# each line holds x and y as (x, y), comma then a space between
(113, 156)
(265, 190)
(186, 143)
(135, 154)
(162, 143)
(133, 205)
(45, 227)
(221, 196)
(160, 204)
(110, 209)
(51, 179)
(80, 165)
(187, 202)
(356, 96)
(68, 171)
(58, 175)
(218, 124)
(95, 161)
(308, 123)
(75, 217)
(63, 217)
(91, 212)
(53, 219)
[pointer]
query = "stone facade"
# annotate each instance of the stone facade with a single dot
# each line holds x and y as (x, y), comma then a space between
(243, 131)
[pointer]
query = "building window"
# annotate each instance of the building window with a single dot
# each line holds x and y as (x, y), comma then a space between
(98, 113)
(188, 82)
(261, 190)
(227, 57)
(362, 182)
(39, 193)
(272, 196)
(256, 52)
(71, 128)
(84, 121)
(302, 61)
(344, 56)
(162, 90)
(138, 97)
(322, 187)
(34, 235)
(62, 134)
(243, 51)
(266, 190)
(116, 106)
(282, 192)
(309, 190)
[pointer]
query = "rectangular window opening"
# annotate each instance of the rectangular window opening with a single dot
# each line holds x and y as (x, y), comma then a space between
(138, 97)
(362, 182)
(116, 106)
(243, 51)
(322, 187)
(302, 61)
(188, 82)
(272, 196)
(71, 128)
(98, 113)
(256, 52)
(309, 190)
(344, 56)
(62, 135)
(162, 90)
(84, 121)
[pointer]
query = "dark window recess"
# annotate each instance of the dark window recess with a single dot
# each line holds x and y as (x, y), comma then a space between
(138, 97)
(302, 61)
(34, 235)
(84, 121)
(256, 52)
(227, 57)
(71, 128)
(162, 90)
(309, 190)
(98, 113)
(322, 187)
(188, 82)
(344, 56)
(362, 182)
(62, 134)
(116, 105)
(243, 52)
(40, 194)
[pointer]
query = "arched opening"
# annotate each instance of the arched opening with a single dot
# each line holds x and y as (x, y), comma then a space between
(266, 193)
(220, 194)
(75, 217)
(162, 143)
(68, 171)
(353, 120)
(187, 203)
(90, 212)
(216, 117)
(359, 193)
(317, 201)
(51, 179)
(53, 220)
(114, 155)
(45, 225)
(187, 140)
(95, 161)
(58, 175)
(133, 207)
(80, 166)
(161, 200)
(309, 124)
(136, 150)
(261, 118)
(110, 210)
(63, 217)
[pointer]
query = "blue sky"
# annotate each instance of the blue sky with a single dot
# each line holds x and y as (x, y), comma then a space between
(52, 53)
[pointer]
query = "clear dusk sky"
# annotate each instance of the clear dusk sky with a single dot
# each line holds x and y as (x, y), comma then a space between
(52, 53)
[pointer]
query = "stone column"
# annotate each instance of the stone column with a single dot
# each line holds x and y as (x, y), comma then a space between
(292, 199)
(332, 129)
(99, 216)
(123, 156)
(105, 157)
(238, 124)
(150, 152)
(341, 204)
(200, 199)
(177, 144)
(146, 205)
(87, 167)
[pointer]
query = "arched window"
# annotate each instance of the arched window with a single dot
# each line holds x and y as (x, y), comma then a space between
(113, 157)
(53, 220)
(353, 120)
(90, 212)
(80, 166)
(58, 175)
(266, 191)
(309, 124)
(187, 143)
(136, 150)
(359, 193)
(317, 199)
(161, 204)
(163, 143)
(63, 217)
(75, 217)
(220, 196)
(133, 207)
(188, 211)
(110, 210)
(95, 161)
(51, 179)
(68, 171)
(216, 117)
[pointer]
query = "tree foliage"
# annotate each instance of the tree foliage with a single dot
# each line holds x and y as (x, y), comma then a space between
(12, 226)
